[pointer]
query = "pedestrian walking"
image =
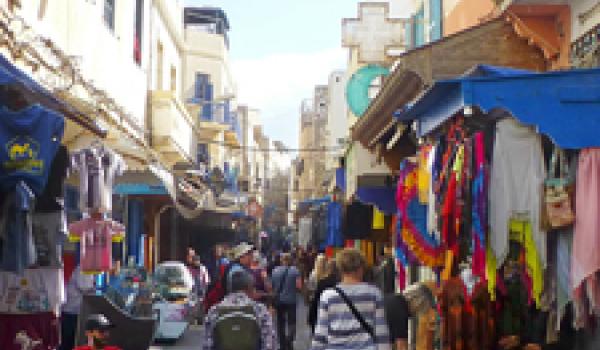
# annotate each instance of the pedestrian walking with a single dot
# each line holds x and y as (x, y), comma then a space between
(97, 331)
(340, 324)
(238, 322)
(318, 272)
(287, 282)
(397, 314)
(328, 279)
(78, 285)
(242, 261)
(262, 283)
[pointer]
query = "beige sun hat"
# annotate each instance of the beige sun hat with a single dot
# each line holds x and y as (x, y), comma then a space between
(241, 250)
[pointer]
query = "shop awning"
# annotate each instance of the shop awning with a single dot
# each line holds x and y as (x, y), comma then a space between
(564, 105)
(383, 198)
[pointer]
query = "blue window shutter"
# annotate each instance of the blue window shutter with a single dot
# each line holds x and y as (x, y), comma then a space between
(207, 107)
(420, 27)
(200, 86)
(435, 14)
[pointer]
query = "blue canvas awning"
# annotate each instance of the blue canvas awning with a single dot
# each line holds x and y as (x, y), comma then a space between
(11, 75)
(564, 105)
(383, 198)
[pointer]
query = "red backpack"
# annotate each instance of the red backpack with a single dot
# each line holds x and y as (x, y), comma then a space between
(218, 290)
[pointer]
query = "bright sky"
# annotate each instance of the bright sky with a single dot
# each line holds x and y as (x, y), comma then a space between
(281, 49)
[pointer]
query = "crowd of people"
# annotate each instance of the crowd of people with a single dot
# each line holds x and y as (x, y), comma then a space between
(252, 301)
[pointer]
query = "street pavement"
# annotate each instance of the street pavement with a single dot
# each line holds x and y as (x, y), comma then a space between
(192, 339)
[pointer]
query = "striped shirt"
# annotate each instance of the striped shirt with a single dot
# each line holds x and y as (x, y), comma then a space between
(338, 328)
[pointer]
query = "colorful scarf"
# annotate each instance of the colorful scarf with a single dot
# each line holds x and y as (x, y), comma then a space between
(479, 208)
(413, 241)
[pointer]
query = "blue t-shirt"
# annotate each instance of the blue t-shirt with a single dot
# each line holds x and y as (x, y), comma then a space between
(18, 250)
(29, 139)
(288, 288)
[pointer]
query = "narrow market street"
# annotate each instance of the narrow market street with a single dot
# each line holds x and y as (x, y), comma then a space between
(427, 171)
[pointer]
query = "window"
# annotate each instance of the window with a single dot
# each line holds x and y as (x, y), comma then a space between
(202, 153)
(202, 80)
(138, 29)
(435, 15)
(173, 79)
(203, 93)
(109, 14)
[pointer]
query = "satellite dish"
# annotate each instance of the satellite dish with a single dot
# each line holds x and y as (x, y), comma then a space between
(357, 90)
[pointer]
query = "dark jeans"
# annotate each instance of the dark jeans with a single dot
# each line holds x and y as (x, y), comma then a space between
(68, 328)
(286, 315)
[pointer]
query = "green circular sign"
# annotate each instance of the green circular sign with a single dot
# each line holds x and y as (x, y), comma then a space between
(357, 90)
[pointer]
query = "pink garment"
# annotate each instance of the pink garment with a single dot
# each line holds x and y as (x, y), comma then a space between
(586, 240)
(96, 237)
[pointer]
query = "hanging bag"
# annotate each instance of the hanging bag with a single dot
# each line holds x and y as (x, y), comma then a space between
(557, 193)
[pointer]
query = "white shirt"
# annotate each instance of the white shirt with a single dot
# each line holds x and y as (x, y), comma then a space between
(78, 285)
(516, 180)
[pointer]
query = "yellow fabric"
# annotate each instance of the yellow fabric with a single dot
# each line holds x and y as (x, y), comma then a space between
(378, 219)
(490, 272)
(447, 272)
(520, 230)
(423, 175)
(459, 161)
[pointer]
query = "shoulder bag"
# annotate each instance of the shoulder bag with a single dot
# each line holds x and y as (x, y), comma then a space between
(367, 327)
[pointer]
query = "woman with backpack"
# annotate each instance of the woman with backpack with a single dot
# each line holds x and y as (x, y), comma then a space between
(340, 324)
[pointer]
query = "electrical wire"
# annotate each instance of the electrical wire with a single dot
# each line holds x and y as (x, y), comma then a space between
(279, 150)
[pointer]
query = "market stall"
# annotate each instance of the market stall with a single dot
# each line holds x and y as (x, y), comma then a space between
(500, 201)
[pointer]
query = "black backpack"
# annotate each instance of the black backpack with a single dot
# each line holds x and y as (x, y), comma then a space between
(237, 328)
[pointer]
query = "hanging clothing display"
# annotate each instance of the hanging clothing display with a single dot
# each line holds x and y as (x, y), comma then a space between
(18, 249)
(35, 291)
(586, 261)
(29, 139)
(97, 167)
(41, 326)
(334, 225)
(51, 200)
(304, 231)
(378, 219)
(412, 236)
(49, 235)
(516, 179)
(96, 237)
(359, 219)
(479, 206)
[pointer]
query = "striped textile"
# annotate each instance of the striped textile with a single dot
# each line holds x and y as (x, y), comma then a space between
(337, 328)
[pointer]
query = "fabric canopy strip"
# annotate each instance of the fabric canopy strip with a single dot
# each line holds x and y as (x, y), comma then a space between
(564, 105)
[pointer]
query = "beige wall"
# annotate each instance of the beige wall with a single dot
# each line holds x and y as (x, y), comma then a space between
(106, 57)
(207, 53)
